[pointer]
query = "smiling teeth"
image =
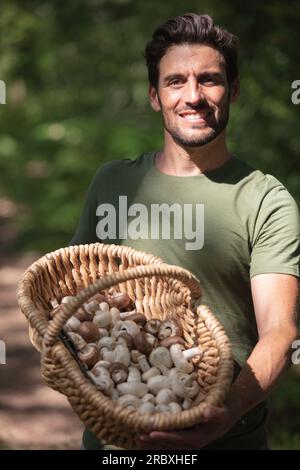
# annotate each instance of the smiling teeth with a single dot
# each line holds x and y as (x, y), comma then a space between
(194, 117)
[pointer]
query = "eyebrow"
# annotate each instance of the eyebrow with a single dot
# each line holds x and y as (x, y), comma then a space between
(173, 76)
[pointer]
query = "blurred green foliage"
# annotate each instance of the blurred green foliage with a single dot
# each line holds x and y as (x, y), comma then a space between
(77, 96)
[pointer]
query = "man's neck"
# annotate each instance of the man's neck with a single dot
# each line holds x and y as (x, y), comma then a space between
(178, 161)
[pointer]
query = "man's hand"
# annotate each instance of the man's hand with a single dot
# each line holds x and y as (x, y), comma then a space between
(216, 422)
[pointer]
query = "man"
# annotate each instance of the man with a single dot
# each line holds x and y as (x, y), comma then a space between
(245, 249)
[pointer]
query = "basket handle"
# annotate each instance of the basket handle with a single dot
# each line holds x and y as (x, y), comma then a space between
(164, 270)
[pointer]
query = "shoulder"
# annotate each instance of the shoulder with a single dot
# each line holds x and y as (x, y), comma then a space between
(120, 168)
(262, 188)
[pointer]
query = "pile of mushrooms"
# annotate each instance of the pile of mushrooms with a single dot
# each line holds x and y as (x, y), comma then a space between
(141, 364)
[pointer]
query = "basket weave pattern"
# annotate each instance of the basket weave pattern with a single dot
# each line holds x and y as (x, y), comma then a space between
(159, 291)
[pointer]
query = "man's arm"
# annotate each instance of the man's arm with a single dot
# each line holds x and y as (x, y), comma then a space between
(275, 303)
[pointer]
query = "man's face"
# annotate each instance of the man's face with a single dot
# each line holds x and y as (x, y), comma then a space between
(193, 94)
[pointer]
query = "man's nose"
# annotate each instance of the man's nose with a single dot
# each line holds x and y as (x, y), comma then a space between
(193, 93)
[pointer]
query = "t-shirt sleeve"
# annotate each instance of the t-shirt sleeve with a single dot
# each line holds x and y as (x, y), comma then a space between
(86, 228)
(275, 245)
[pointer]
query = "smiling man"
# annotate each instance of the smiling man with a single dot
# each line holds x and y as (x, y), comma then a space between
(248, 257)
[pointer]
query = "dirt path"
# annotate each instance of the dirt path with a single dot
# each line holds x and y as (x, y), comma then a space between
(32, 416)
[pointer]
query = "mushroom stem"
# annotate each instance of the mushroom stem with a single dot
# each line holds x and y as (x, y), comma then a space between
(189, 353)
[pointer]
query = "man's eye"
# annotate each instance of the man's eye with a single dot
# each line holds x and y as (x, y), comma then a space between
(209, 81)
(176, 82)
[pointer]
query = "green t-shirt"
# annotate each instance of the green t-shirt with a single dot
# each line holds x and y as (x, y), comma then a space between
(225, 226)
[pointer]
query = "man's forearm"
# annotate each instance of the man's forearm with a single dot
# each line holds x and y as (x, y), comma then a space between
(268, 360)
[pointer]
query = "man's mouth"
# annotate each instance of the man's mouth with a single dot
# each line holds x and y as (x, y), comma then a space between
(194, 116)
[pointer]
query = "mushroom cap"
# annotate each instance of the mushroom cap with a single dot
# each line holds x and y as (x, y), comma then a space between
(141, 343)
(181, 364)
(118, 372)
(89, 331)
(78, 341)
(160, 357)
(155, 384)
(169, 328)
(126, 339)
(129, 400)
(138, 318)
(152, 326)
(120, 300)
(102, 318)
(89, 355)
(83, 315)
(183, 384)
(127, 326)
(170, 340)
(133, 388)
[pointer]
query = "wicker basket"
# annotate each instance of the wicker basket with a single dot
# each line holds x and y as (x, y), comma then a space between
(159, 291)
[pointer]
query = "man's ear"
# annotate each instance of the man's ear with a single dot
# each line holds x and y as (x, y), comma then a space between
(154, 100)
(234, 90)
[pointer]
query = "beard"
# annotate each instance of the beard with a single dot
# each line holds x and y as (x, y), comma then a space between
(208, 133)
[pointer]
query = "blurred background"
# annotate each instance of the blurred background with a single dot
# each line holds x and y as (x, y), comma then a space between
(76, 96)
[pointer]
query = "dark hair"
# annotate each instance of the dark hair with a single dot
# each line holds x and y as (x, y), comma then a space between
(191, 29)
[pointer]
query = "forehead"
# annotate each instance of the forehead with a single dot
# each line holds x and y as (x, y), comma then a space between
(187, 58)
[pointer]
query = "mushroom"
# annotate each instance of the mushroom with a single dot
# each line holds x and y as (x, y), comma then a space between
(150, 373)
(141, 343)
(129, 401)
(184, 385)
(106, 342)
(146, 407)
(114, 394)
(174, 407)
(119, 354)
(169, 328)
(91, 307)
(118, 372)
(134, 375)
(187, 403)
(152, 326)
(142, 362)
(82, 315)
(67, 299)
(98, 298)
(115, 314)
(149, 397)
(126, 339)
(72, 324)
(104, 307)
(89, 355)
(133, 388)
(101, 378)
(78, 341)
(103, 332)
(162, 408)
(124, 315)
(121, 301)
(157, 383)
(180, 357)
(101, 363)
(135, 354)
(127, 326)
(138, 318)
(161, 358)
(102, 318)
(165, 396)
(170, 340)
(89, 331)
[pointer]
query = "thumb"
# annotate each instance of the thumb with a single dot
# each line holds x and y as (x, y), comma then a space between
(214, 414)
